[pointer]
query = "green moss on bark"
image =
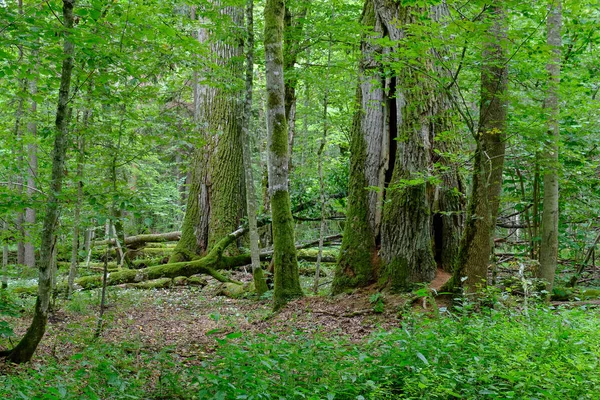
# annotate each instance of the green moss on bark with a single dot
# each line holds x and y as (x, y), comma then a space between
(355, 266)
(287, 279)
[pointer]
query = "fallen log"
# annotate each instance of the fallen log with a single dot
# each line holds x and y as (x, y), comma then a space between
(136, 241)
(207, 265)
(210, 264)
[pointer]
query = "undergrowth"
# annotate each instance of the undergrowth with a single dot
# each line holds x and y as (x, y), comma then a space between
(544, 354)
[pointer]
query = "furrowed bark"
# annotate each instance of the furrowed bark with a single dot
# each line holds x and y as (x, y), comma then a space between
(358, 262)
(216, 196)
(419, 111)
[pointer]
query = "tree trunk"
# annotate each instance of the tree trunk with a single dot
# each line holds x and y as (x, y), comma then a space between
(32, 171)
(136, 241)
(477, 241)
(28, 344)
(357, 265)
(320, 155)
(419, 110)
(77, 213)
(287, 279)
(549, 243)
(260, 283)
(292, 31)
(4, 283)
(216, 194)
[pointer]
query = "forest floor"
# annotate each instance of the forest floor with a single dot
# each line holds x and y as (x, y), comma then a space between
(191, 320)
(193, 343)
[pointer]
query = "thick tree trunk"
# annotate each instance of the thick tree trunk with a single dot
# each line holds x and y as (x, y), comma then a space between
(216, 194)
(477, 242)
(419, 110)
(28, 344)
(358, 261)
(549, 243)
(287, 279)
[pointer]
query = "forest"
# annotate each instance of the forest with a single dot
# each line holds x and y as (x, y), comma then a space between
(299, 199)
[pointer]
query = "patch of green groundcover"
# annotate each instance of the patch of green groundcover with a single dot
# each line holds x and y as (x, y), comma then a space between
(543, 354)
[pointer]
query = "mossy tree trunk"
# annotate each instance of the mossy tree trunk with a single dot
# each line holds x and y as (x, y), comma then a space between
(215, 202)
(549, 243)
(448, 213)
(287, 279)
(357, 264)
(419, 111)
(28, 344)
(477, 241)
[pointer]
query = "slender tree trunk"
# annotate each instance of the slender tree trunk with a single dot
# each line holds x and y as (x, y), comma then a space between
(77, 214)
(358, 262)
(32, 171)
(536, 211)
(89, 244)
(28, 344)
(320, 152)
(549, 243)
(293, 26)
(260, 283)
(107, 230)
(18, 150)
(4, 283)
(287, 279)
(477, 242)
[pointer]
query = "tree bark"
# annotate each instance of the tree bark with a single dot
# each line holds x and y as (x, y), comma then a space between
(419, 109)
(320, 155)
(28, 344)
(4, 283)
(216, 194)
(260, 283)
(32, 171)
(136, 241)
(549, 243)
(368, 146)
(287, 279)
(77, 214)
(477, 241)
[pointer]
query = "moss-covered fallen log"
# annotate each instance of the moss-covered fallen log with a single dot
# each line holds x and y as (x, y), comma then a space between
(207, 265)
(135, 264)
(140, 240)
